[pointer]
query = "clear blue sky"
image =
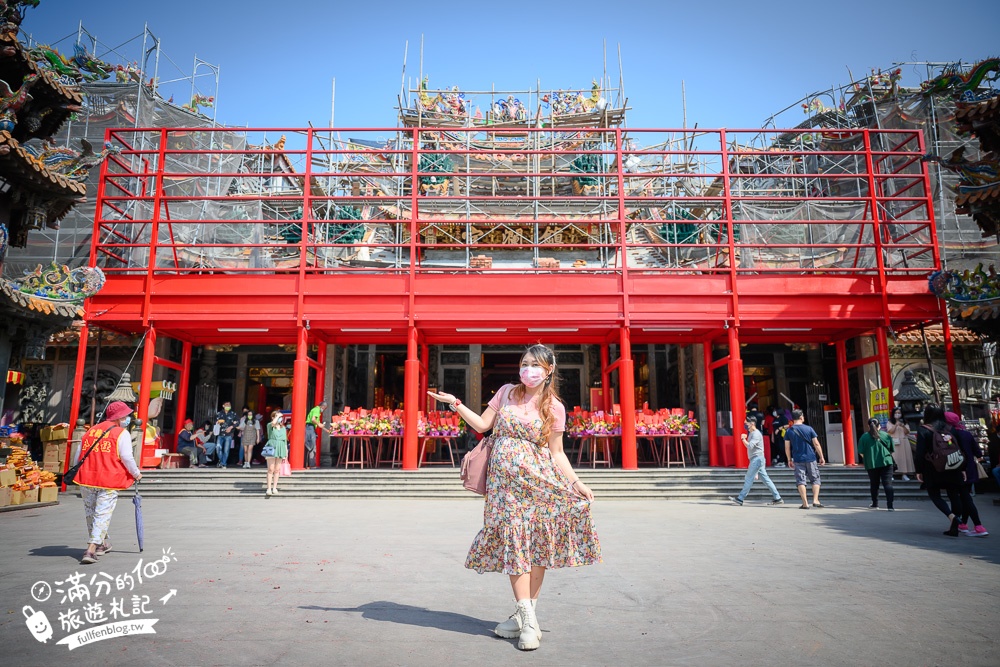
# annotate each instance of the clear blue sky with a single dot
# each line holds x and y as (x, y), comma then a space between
(741, 61)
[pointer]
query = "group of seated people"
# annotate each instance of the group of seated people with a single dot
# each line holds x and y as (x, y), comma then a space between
(205, 447)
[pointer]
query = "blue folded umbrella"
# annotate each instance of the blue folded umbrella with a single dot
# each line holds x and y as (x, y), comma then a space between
(137, 501)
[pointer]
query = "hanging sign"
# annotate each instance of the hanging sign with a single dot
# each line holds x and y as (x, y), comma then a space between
(15, 377)
(878, 405)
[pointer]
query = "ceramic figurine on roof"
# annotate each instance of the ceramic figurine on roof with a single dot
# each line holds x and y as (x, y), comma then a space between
(12, 101)
(13, 12)
(197, 101)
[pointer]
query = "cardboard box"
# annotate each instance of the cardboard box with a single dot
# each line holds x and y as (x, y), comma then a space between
(5, 493)
(55, 432)
(48, 494)
(16, 497)
(54, 453)
(30, 496)
(55, 466)
(7, 477)
(55, 450)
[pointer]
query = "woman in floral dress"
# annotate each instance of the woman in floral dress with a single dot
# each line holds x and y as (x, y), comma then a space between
(537, 513)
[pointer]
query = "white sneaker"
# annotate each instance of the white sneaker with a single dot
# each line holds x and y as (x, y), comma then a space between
(274, 491)
(906, 478)
(246, 465)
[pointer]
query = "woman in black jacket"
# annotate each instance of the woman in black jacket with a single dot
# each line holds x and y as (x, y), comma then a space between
(949, 480)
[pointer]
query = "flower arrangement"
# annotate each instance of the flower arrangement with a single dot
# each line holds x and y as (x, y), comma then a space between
(582, 423)
(673, 421)
(381, 421)
(439, 424)
(665, 422)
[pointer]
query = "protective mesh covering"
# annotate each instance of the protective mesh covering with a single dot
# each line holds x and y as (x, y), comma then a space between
(108, 105)
(961, 240)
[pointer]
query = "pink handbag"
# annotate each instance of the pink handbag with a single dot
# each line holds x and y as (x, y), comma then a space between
(285, 469)
(475, 466)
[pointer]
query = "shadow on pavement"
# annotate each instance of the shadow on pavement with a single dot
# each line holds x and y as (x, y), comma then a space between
(405, 614)
(63, 550)
(924, 535)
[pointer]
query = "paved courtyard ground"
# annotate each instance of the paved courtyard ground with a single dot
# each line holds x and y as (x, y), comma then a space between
(354, 582)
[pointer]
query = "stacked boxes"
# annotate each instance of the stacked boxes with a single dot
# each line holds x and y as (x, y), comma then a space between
(54, 440)
(547, 263)
(22, 481)
(481, 262)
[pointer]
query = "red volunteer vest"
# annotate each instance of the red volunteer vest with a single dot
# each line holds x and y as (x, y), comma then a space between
(103, 469)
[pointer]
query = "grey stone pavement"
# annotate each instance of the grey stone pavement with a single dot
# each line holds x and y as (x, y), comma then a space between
(355, 582)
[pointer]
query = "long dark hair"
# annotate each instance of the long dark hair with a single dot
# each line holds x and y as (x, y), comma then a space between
(550, 389)
(873, 427)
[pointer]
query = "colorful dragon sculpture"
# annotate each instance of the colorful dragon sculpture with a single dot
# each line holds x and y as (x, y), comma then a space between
(82, 67)
(965, 87)
(973, 174)
(74, 165)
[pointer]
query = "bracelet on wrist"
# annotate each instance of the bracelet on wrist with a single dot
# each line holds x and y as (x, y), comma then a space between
(454, 405)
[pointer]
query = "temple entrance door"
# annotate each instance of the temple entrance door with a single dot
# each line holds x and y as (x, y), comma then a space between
(499, 368)
(455, 381)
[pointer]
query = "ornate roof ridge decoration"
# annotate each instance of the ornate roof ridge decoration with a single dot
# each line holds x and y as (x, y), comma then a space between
(56, 290)
(52, 99)
(935, 336)
(70, 336)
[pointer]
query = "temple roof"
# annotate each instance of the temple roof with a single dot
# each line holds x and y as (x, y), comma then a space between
(52, 101)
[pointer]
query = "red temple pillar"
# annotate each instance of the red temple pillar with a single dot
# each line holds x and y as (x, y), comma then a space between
(300, 397)
(74, 405)
(949, 355)
(425, 378)
(845, 402)
(320, 393)
(737, 398)
(713, 440)
(884, 368)
(626, 377)
(606, 401)
(145, 389)
(411, 402)
(183, 385)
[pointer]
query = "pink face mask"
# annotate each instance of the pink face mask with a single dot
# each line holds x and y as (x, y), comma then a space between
(532, 376)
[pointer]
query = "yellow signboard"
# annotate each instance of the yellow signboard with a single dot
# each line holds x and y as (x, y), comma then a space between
(878, 405)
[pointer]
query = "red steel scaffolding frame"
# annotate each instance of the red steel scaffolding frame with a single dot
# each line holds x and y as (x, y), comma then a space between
(735, 282)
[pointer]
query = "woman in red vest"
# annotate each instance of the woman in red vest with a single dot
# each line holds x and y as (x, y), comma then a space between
(107, 468)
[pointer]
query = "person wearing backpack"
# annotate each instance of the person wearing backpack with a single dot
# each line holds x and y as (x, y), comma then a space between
(971, 451)
(875, 448)
(802, 449)
(934, 445)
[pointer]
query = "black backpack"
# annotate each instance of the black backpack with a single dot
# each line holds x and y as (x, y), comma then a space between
(945, 454)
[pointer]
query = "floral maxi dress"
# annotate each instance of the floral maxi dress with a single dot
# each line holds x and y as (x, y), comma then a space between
(532, 516)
